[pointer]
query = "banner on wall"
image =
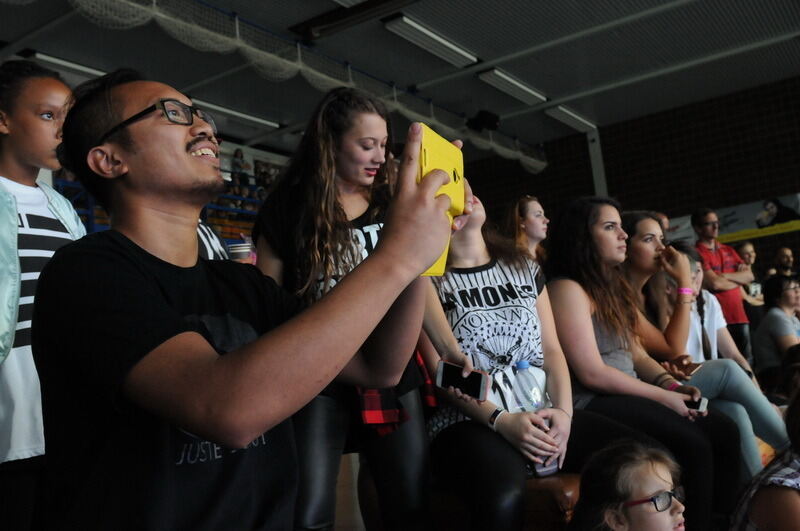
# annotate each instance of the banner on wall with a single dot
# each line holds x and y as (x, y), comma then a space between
(748, 221)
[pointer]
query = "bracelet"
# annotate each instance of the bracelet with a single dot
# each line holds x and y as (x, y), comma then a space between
(492, 422)
(674, 385)
(686, 291)
(660, 378)
(564, 410)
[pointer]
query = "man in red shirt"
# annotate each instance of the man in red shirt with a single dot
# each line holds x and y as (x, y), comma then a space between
(723, 273)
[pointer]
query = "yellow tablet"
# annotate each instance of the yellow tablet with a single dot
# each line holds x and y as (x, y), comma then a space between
(436, 153)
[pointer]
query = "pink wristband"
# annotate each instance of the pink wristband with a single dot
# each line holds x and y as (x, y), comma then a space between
(686, 291)
(673, 386)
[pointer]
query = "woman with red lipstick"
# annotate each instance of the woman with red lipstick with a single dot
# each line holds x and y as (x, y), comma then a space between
(322, 218)
(34, 221)
(595, 313)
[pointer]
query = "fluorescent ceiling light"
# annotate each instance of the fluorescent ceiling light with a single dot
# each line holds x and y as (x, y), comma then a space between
(64, 64)
(511, 86)
(236, 114)
(348, 3)
(430, 41)
(571, 118)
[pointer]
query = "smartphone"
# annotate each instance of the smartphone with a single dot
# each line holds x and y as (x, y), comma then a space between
(476, 384)
(691, 368)
(700, 405)
(541, 470)
(436, 153)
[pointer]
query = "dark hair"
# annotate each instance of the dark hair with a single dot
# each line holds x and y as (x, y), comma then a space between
(503, 248)
(573, 254)
(94, 111)
(739, 246)
(699, 214)
(606, 481)
(631, 219)
(322, 233)
(14, 75)
(774, 287)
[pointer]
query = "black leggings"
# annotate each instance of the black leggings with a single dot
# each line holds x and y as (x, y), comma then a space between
(707, 451)
(398, 463)
(488, 473)
(740, 333)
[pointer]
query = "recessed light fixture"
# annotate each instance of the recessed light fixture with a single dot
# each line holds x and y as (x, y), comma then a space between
(570, 118)
(512, 86)
(430, 41)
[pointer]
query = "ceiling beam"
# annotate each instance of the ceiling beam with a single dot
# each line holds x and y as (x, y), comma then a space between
(211, 79)
(263, 137)
(730, 52)
(13, 47)
(484, 65)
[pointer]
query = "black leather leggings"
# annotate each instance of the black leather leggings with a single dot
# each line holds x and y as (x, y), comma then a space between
(398, 463)
(488, 473)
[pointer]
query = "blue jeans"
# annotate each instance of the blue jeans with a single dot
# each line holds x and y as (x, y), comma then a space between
(731, 392)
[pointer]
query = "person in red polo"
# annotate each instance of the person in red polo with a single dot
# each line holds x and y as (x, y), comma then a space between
(723, 273)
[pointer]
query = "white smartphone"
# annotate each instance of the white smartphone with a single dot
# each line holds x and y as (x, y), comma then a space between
(476, 384)
(700, 405)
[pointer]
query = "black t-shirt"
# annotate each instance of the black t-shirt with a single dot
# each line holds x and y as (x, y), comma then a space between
(277, 221)
(102, 304)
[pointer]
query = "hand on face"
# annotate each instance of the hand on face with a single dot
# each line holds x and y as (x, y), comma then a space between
(676, 265)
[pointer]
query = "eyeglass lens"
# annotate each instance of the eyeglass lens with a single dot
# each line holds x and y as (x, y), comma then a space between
(180, 113)
(663, 500)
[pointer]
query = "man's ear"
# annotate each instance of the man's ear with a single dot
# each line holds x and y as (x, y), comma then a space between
(105, 162)
(4, 130)
(615, 520)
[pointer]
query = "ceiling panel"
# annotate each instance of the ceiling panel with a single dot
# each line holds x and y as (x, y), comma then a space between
(597, 54)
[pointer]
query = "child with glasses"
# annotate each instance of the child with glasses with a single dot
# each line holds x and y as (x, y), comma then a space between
(629, 486)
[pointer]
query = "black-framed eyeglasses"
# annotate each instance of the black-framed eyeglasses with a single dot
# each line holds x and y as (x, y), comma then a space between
(661, 501)
(175, 111)
(710, 223)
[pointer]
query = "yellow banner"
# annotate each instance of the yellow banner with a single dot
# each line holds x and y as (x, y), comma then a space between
(751, 234)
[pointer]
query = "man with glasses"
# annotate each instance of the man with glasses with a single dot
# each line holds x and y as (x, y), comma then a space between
(167, 380)
(724, 272)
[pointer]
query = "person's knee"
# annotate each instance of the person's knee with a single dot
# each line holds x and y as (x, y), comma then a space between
(734, 411)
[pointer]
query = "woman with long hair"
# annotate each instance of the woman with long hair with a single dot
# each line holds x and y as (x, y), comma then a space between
(595, 314)
(528, 225)
(499, 317)
(323, 216)
(727, 382)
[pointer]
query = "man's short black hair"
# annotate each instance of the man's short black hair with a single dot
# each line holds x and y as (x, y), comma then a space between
(94, 111)
(699, 215)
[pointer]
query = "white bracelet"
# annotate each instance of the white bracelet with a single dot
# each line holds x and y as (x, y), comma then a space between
(492, 422)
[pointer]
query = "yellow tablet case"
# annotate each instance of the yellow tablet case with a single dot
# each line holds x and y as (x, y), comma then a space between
(438, 153)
